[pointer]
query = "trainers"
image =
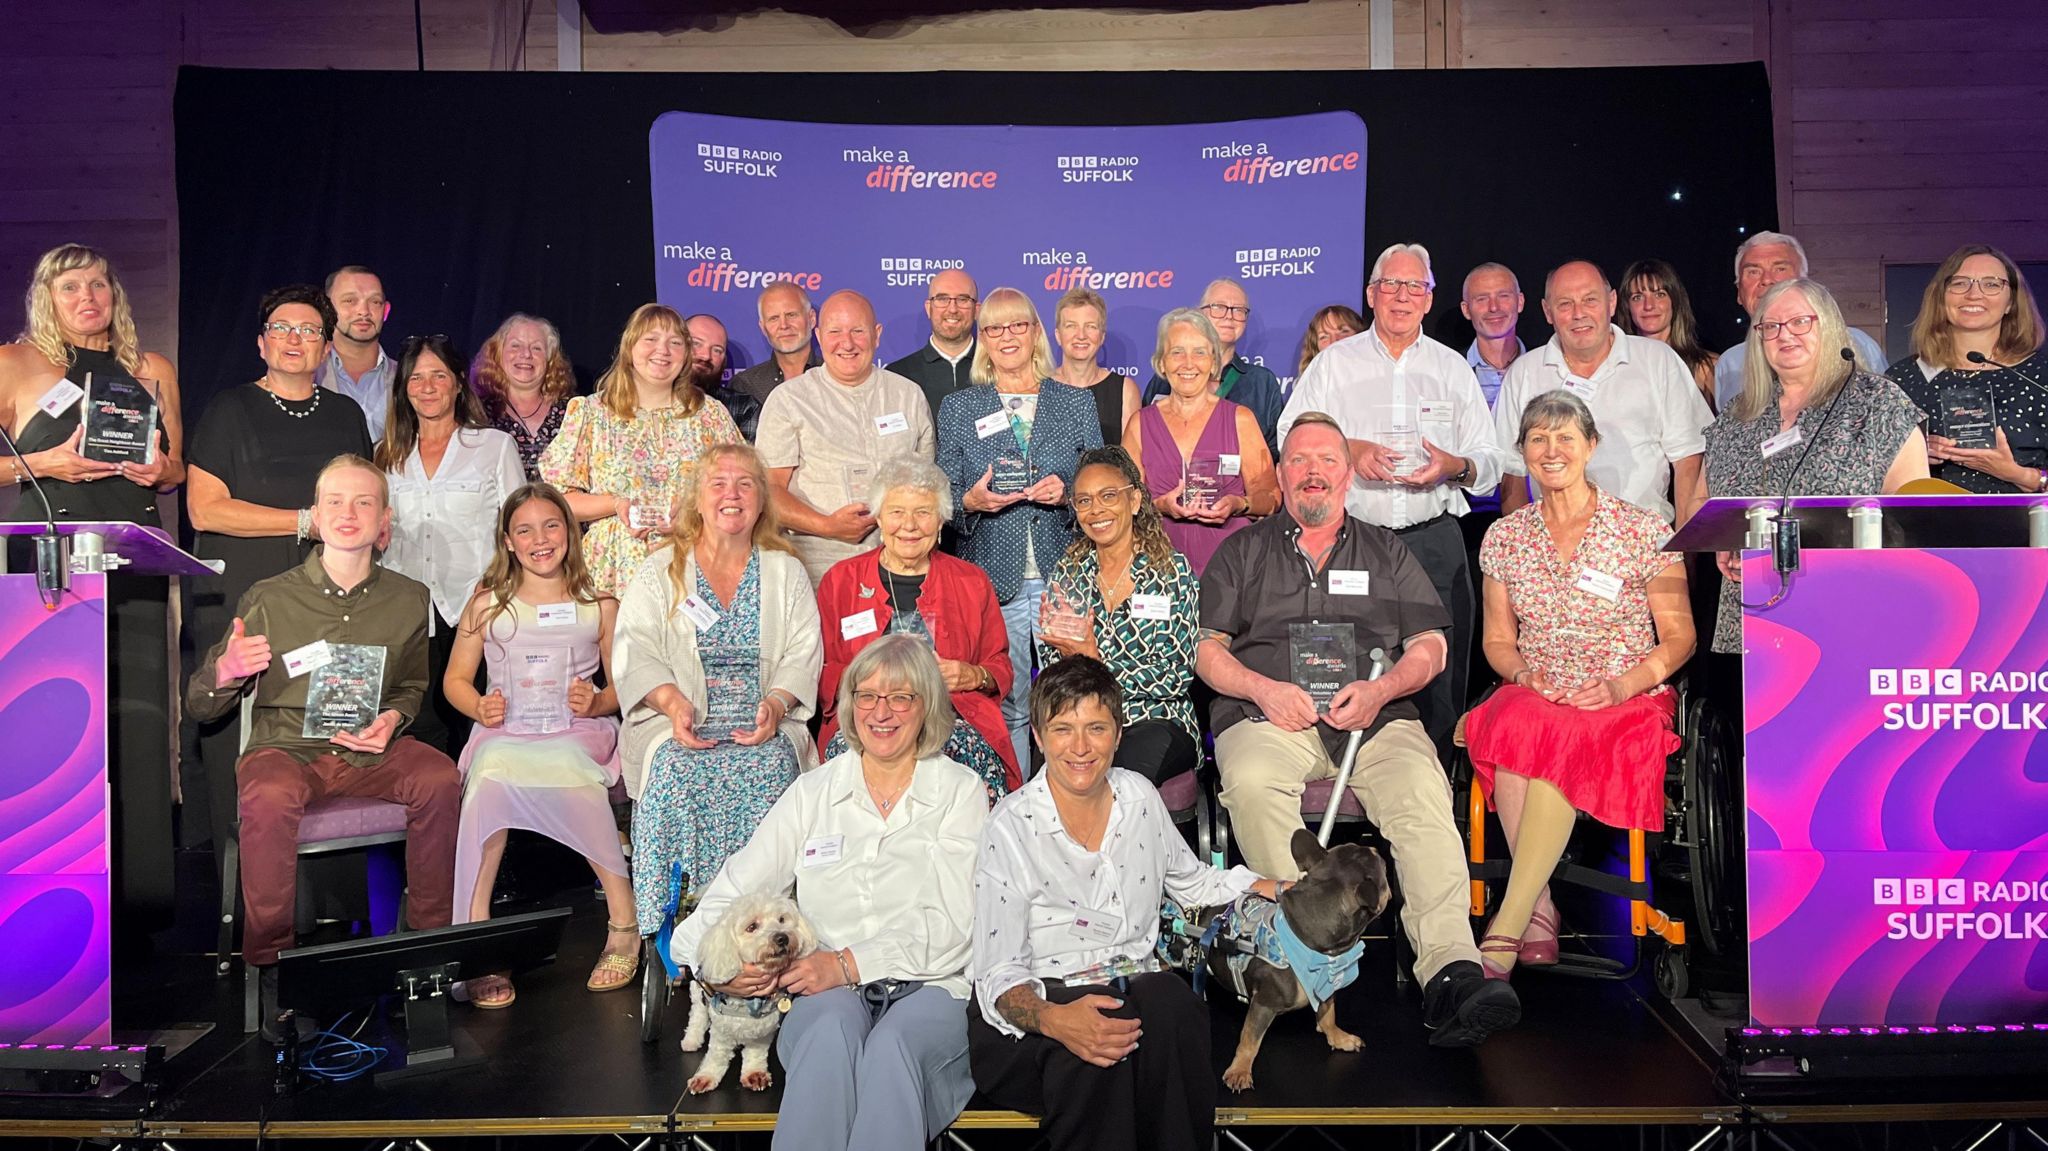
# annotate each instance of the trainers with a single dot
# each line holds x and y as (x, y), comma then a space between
(1461, 1007)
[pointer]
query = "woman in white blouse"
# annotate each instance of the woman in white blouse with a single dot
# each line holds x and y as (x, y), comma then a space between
(450, 473)
(1074, 1017)
(878, 845)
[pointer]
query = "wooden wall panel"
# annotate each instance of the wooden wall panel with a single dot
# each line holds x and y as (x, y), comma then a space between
(1597, 33)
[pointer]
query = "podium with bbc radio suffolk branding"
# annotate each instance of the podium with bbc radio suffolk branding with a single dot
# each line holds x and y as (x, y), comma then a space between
(55, 979)
(1895, 698)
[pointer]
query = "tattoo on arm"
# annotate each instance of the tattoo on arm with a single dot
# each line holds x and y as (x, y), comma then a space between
(1021, 1006)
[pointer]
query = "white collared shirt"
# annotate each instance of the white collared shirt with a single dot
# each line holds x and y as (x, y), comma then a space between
(1375, 396)
(897, 891)
(444, 528)
(1034, 882)
(1648, 410)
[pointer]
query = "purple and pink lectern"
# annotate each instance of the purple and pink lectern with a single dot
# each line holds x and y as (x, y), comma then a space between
(54, 874)
(1895, 694)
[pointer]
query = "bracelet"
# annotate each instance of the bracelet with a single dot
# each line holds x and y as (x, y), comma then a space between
(305, 524)
(845, 972)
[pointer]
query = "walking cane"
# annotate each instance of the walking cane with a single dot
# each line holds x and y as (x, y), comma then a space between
(1379, 666)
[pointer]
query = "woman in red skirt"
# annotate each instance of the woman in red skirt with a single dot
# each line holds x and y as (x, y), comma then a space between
(1586, 617)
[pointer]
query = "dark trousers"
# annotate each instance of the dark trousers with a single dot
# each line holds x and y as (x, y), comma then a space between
(1439, 547)
(1163, 1096)
(439, 725)
(1479, 674)
(275, 791)
(1156, 749)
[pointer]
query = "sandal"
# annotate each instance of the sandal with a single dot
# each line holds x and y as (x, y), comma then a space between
(1541, 951)
(492, 992)
(616, 969)
(1498, 945)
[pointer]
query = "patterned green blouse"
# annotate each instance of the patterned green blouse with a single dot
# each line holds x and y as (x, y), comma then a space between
(1148, 642)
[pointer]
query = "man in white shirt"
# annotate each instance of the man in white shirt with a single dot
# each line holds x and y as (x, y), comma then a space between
(356, 365)
(1421, 441)
(1651, 417)
(1764, 259)
(825, 434)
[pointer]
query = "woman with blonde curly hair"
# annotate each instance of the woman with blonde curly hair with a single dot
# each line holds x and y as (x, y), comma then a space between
(525, 382)
(1138, 602)
(626, 454)
(717, 660)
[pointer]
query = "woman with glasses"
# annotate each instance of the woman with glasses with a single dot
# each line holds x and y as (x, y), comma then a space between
(1010, 444)
(1206, 468)
(1770, 442)
(449, 476)
(1978, 303)
(1080, 322)
(1139, 605)
(909, 586)
(878, 845)
(1655, 305)
(525, 382)
(717, 660)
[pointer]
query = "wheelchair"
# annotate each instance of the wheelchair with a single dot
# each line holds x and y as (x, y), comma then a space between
(1696, 861)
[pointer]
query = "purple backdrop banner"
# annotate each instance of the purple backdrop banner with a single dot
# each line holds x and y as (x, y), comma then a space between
(1897, 773)
(1146, 216)
(54, 980)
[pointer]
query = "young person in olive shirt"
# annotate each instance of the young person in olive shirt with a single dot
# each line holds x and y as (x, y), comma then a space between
(340, 596)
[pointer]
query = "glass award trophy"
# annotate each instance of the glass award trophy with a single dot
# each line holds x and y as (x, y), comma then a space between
(860, 483)
(731, 705)
(1323, 658)
(120, 420)
(1064, 616)
(1969, 416)
(651, 501)
(346, 692)
(1198, 485)
(1009, 474)
(537, 697)
(1405, 440)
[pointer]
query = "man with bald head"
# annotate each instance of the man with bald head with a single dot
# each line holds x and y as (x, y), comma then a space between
(825, 434)
(952, 303)
(1651, 417)
(787, 320)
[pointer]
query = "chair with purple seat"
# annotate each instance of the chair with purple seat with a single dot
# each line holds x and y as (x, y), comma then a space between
(1187, 800)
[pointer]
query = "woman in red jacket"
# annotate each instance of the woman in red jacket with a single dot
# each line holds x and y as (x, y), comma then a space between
(907, 585)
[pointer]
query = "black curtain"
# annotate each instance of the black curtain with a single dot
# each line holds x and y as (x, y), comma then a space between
(478, 194)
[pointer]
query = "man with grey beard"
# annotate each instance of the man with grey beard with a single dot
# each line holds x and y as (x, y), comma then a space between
(1292, 609)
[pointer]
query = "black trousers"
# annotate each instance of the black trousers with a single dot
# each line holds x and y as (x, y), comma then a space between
(1163, 1096)
(1439, 547)
(439, 725)
(1479, 674)
(1156, 749)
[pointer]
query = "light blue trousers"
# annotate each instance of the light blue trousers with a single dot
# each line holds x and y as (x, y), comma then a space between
(890, 1087)
(1020, 620)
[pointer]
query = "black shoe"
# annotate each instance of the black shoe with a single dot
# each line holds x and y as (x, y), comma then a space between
(1461, 1006)
(269, 1012)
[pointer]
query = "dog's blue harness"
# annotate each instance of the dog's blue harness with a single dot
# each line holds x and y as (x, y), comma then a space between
(1258, 928)
(753, 1008)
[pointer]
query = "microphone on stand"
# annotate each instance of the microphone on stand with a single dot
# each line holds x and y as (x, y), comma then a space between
(1785, 546)
(53, 573)
(1987, 361)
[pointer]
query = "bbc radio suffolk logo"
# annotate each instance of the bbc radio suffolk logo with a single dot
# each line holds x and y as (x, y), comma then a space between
(1097, 169)
(915, 271)
(1277, 263)
(1891, 891)
(1893, 682)
(726, 160)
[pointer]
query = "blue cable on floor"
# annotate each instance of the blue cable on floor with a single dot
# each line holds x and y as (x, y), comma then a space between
(338, 1058)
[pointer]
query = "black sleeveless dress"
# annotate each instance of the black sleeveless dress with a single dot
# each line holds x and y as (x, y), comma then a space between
(138, 664)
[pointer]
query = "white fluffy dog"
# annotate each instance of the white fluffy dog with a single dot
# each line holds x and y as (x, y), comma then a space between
(762, 929)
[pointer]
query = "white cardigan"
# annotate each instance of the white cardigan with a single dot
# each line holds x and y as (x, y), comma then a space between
(655, 643)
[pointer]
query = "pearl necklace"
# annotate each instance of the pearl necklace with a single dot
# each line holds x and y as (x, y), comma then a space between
(279, 400)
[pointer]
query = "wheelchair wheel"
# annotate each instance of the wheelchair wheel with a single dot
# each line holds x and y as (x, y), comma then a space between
(1713, 814)
(654, 990)
(1672, 979)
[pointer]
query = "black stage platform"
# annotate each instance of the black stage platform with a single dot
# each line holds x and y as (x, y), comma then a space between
(564, 1061)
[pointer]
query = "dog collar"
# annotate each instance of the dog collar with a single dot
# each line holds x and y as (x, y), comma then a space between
(753, 1008)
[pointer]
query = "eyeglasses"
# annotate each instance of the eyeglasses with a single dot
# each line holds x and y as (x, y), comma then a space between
(1800, 325)
(948, 302)
(1412, 287)
(1225, 311)
(284, 331)
(899, 701)
(1014, 327)
(1109, 498)
(1989, 285)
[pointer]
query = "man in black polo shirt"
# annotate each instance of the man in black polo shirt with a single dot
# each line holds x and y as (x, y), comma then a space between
(1312, 583)
(940, 368)
(787, 320)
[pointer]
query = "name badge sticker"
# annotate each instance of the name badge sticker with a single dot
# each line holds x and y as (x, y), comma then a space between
(63, 395)
(1347, 582)
(702, 614)
(994, 423)
(311, 657)
(1097, 927)
(890, 424)
(557, 614)
(1229, 465)
(1151, 605)
(1785, 439)
(1599, 583)
(823, 850)
(1434, 412)
(858, 624)
(1584, 389)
